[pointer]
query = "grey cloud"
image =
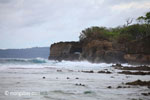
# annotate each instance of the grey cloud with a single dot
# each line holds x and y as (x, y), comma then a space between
(5, 1)
(55, 20)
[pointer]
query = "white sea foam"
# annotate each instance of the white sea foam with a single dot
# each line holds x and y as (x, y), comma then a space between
(44, 63)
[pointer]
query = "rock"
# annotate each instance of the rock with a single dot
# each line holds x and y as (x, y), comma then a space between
(68, 78)
(146, 94)
(123, 87)
(113, 56)
(79, 84)
(138, 52)
(112, 77)
(65, 51)
(59, 70)
(138, 58)
(77, 78)
(134, 73)
(107, 72)
(140, 68)
(87, 92)
(18, 82)
(109, 87)
(103, 50)
(44, 77)
(91, 71)
(119, 87)
(118, 65)
(139, 82)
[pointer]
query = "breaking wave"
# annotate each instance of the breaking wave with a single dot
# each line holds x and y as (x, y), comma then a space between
(22, 61)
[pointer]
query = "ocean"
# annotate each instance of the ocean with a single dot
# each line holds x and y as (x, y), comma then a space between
(42, 79)
(42, 63)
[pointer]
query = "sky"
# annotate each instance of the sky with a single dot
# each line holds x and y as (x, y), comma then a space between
(40, 23)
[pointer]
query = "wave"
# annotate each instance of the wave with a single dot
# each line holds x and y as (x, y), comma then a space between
(22, 61)
(45, 63)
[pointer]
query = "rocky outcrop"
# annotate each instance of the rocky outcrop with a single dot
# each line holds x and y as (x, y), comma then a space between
(136, 52)
(102, 51)
(65, 51)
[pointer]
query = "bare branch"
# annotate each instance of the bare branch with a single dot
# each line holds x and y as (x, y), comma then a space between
(129, 21)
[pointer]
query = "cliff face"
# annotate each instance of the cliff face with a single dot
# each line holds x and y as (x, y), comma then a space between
(136, 52)
(65, 51)
(102, 51)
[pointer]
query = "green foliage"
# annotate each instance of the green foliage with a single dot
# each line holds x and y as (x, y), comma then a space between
(119, 34)
(94, 33)
(137, 31)
(145, 20)
(99, 33)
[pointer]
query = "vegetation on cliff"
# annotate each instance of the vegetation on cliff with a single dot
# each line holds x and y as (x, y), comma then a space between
(120, 34)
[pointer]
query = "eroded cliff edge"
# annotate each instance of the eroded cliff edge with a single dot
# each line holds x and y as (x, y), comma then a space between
(135, 52)
(65, 51)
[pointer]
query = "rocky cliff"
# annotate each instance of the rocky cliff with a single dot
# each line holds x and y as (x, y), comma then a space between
(136, 52)
(65, 51)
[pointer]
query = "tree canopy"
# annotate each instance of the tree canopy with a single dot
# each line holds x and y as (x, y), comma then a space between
(122, 33)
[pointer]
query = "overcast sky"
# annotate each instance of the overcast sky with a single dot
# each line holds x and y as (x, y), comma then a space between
(30, 23)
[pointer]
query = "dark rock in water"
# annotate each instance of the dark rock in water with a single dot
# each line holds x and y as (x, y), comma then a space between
(127, 76)
(112, 77)
(139, 82)
(117, 66)
(123, 87)
(119, 87)
(59, 70)
(134, 73)
(79, 84)
(44, 77)
(18, 82)
(87, 92)
(141, 68)
(109, 87)
(68, 78)
(77, 78)
(91, 71)
(146, 94)
(107, 72)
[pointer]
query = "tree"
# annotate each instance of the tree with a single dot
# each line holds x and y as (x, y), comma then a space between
(129, 21)
(144, 19)
(94, 33)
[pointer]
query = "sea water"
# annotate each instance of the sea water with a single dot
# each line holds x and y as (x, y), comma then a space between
(42, 63)
(42, 79)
